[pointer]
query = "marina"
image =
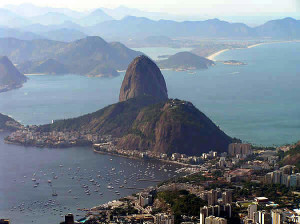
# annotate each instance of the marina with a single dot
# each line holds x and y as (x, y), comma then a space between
(54, 182)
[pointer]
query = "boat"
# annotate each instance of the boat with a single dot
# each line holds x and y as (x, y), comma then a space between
(54, 194)
(49, 181)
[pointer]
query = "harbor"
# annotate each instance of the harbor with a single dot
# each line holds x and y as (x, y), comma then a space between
(55, 182)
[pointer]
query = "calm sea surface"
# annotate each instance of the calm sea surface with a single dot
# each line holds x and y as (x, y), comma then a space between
(258, 103)
(68, 170)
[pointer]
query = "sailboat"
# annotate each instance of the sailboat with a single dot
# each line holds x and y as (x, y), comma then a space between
(54, 193)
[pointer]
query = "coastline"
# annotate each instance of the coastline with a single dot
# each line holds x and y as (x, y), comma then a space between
(34, 74)
(138, 158)
(212, 56)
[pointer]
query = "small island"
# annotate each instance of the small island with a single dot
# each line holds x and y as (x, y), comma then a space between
(233, 62)
(184, 61)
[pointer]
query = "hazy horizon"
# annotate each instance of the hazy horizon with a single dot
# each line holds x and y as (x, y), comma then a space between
(251, 12)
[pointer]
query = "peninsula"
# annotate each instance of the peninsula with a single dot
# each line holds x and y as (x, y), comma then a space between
(10, 77)
(8, 124)
(144, 120)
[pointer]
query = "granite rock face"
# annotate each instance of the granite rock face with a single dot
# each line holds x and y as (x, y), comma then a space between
(9, 74)
(143, 78)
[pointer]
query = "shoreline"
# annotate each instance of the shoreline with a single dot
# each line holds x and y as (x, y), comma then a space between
(34, 74)
(212, 56)
(138, 158)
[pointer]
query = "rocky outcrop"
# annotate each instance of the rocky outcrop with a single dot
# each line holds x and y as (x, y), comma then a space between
(143, 77)
(174, 126)
(8, 124)
(10, 77)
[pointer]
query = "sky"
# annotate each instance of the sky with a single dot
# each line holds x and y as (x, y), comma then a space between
(180, 7)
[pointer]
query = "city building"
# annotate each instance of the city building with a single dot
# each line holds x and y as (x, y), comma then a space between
(227, 197)
(264, 217)
(212, 197)
(215, 220)
(239, 149)
(163, 218)
(252, 209)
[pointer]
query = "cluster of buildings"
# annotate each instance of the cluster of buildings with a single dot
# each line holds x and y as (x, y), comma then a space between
(183, 159)
(239, 150)
(274, 216)
(285, 176)
(141, 204)
(219, 206)
(233, 167)
(31, 136)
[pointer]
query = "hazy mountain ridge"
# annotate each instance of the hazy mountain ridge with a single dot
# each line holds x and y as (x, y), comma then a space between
(213, 28)
(133, 23)
(91, 56)
(19, 34)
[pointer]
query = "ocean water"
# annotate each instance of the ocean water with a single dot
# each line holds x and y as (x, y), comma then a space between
(258, 103)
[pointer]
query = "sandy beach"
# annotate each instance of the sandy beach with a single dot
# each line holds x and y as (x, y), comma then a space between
(35, 74)
(212, 56)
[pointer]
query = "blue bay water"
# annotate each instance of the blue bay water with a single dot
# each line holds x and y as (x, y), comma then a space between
(21, 202)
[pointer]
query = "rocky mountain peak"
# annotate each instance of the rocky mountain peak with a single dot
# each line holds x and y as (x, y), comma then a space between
(143, 77)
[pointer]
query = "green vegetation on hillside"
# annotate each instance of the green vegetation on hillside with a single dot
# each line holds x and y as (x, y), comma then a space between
(182, 203)
(115, 119)
(291, 157)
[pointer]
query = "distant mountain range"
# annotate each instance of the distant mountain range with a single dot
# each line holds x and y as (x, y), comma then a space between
(132, 27)
(57, 26)
(91, 56)
(29, 22)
